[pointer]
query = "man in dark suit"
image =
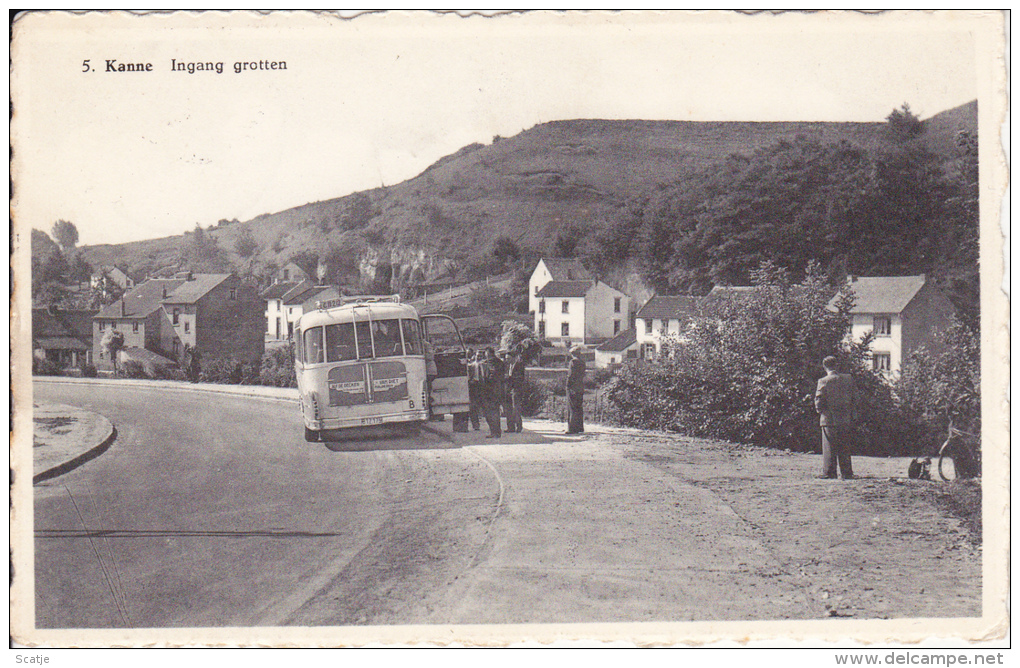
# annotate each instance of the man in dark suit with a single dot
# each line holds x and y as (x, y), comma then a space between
(836, 403)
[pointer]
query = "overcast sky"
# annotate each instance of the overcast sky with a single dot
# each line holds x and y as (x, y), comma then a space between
(136, 155)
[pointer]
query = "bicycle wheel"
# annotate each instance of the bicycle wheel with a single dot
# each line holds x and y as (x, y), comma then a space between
(947, 464)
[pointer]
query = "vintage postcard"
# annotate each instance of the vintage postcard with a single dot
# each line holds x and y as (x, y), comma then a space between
(652, 328)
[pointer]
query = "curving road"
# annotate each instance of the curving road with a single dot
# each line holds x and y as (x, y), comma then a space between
(211, 510)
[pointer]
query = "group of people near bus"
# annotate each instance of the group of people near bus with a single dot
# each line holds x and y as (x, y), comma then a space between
(496, 388)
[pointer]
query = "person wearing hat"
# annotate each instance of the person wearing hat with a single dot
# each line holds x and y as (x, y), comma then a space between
(474, 390)
(836, 404)
(575, 392)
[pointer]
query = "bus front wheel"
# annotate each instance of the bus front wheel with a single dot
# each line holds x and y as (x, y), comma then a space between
(311, 435)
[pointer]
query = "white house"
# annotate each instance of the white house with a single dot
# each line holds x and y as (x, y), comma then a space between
(616, 350)
(903, 313)
(554, 269)
(286, 302)
(570, 312)
(661, 317)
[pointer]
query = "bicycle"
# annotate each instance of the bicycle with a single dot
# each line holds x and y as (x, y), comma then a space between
(960, 455)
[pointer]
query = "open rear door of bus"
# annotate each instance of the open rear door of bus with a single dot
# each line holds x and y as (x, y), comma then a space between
(450, 387)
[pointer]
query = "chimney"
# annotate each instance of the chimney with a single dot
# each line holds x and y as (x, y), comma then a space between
(851, 278)
(164, 292)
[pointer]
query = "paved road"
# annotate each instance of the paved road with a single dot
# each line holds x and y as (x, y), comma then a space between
(212, 511)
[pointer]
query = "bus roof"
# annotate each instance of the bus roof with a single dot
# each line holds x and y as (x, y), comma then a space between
(356, 312)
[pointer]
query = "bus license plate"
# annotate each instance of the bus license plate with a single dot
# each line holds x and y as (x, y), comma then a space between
(371, 420)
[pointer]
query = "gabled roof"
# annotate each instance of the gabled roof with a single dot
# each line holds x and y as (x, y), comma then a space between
(884, 294)
(74, 323)
(190, 291)
(565, 289)
(279, 290)
(620, 342)
(305, 293)
(666, 307)
(566, 269)
(142, 300)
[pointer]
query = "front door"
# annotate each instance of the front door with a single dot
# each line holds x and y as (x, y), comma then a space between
(450, 387)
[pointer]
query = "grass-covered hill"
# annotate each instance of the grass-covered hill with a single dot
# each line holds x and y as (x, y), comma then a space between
(576, 174)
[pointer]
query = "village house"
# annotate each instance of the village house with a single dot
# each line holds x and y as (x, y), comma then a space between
(291, 273)
(217, 314)
(617, 350)
(287, 302)
(554, 269)
(902, 312)
(661, 317)
(116, 274)
(570, 307)
(63, 337)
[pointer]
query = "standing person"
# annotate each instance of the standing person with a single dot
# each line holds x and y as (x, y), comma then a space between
(474, 389)
(492, 371)
(515, 389)
(431, 371)
(575, 392)
(836, 403)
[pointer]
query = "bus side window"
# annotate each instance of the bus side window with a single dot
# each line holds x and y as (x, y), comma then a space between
(313, 346)
(299, 343)
(412, 337)
(340, 342)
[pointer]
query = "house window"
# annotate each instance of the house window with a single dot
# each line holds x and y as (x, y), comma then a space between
(649, 351)
(177, 347)
(565, 329)
(541, 329)
(233, 294)
(286, 274)
(102, 325)
(541, 306)
(134, 327)
(187, 326)
(616, 304)
(616, 327)
(881, 362)
(648, 326)
(883, 325)
(566, 306)
(177, 315)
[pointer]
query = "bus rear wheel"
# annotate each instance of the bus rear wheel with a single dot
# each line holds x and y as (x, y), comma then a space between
(311, 435)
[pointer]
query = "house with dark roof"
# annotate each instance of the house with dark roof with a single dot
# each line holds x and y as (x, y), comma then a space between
(616, 350)
(661, 317)
(217, 314)
(554, 269)
(902, 312)
(62, 336)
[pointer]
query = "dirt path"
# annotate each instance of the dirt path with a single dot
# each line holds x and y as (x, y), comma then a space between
(625, 527)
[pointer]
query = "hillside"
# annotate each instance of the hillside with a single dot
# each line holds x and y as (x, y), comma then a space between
(577, 173)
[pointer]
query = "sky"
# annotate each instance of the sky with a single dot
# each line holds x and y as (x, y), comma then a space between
(374, 101)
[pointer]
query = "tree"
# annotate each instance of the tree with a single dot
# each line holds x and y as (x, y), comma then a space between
(903, 124)
(505, 250)
(66, 235)
(746, 369)
(566, 242)
(245, 245)
(113, 343)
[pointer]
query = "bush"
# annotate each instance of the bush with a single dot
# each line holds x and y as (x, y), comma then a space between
(44, 367)
(942, 383)
(533, 397)
(277, 368)
(746, 372)
(132, 369)
(89, 371)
